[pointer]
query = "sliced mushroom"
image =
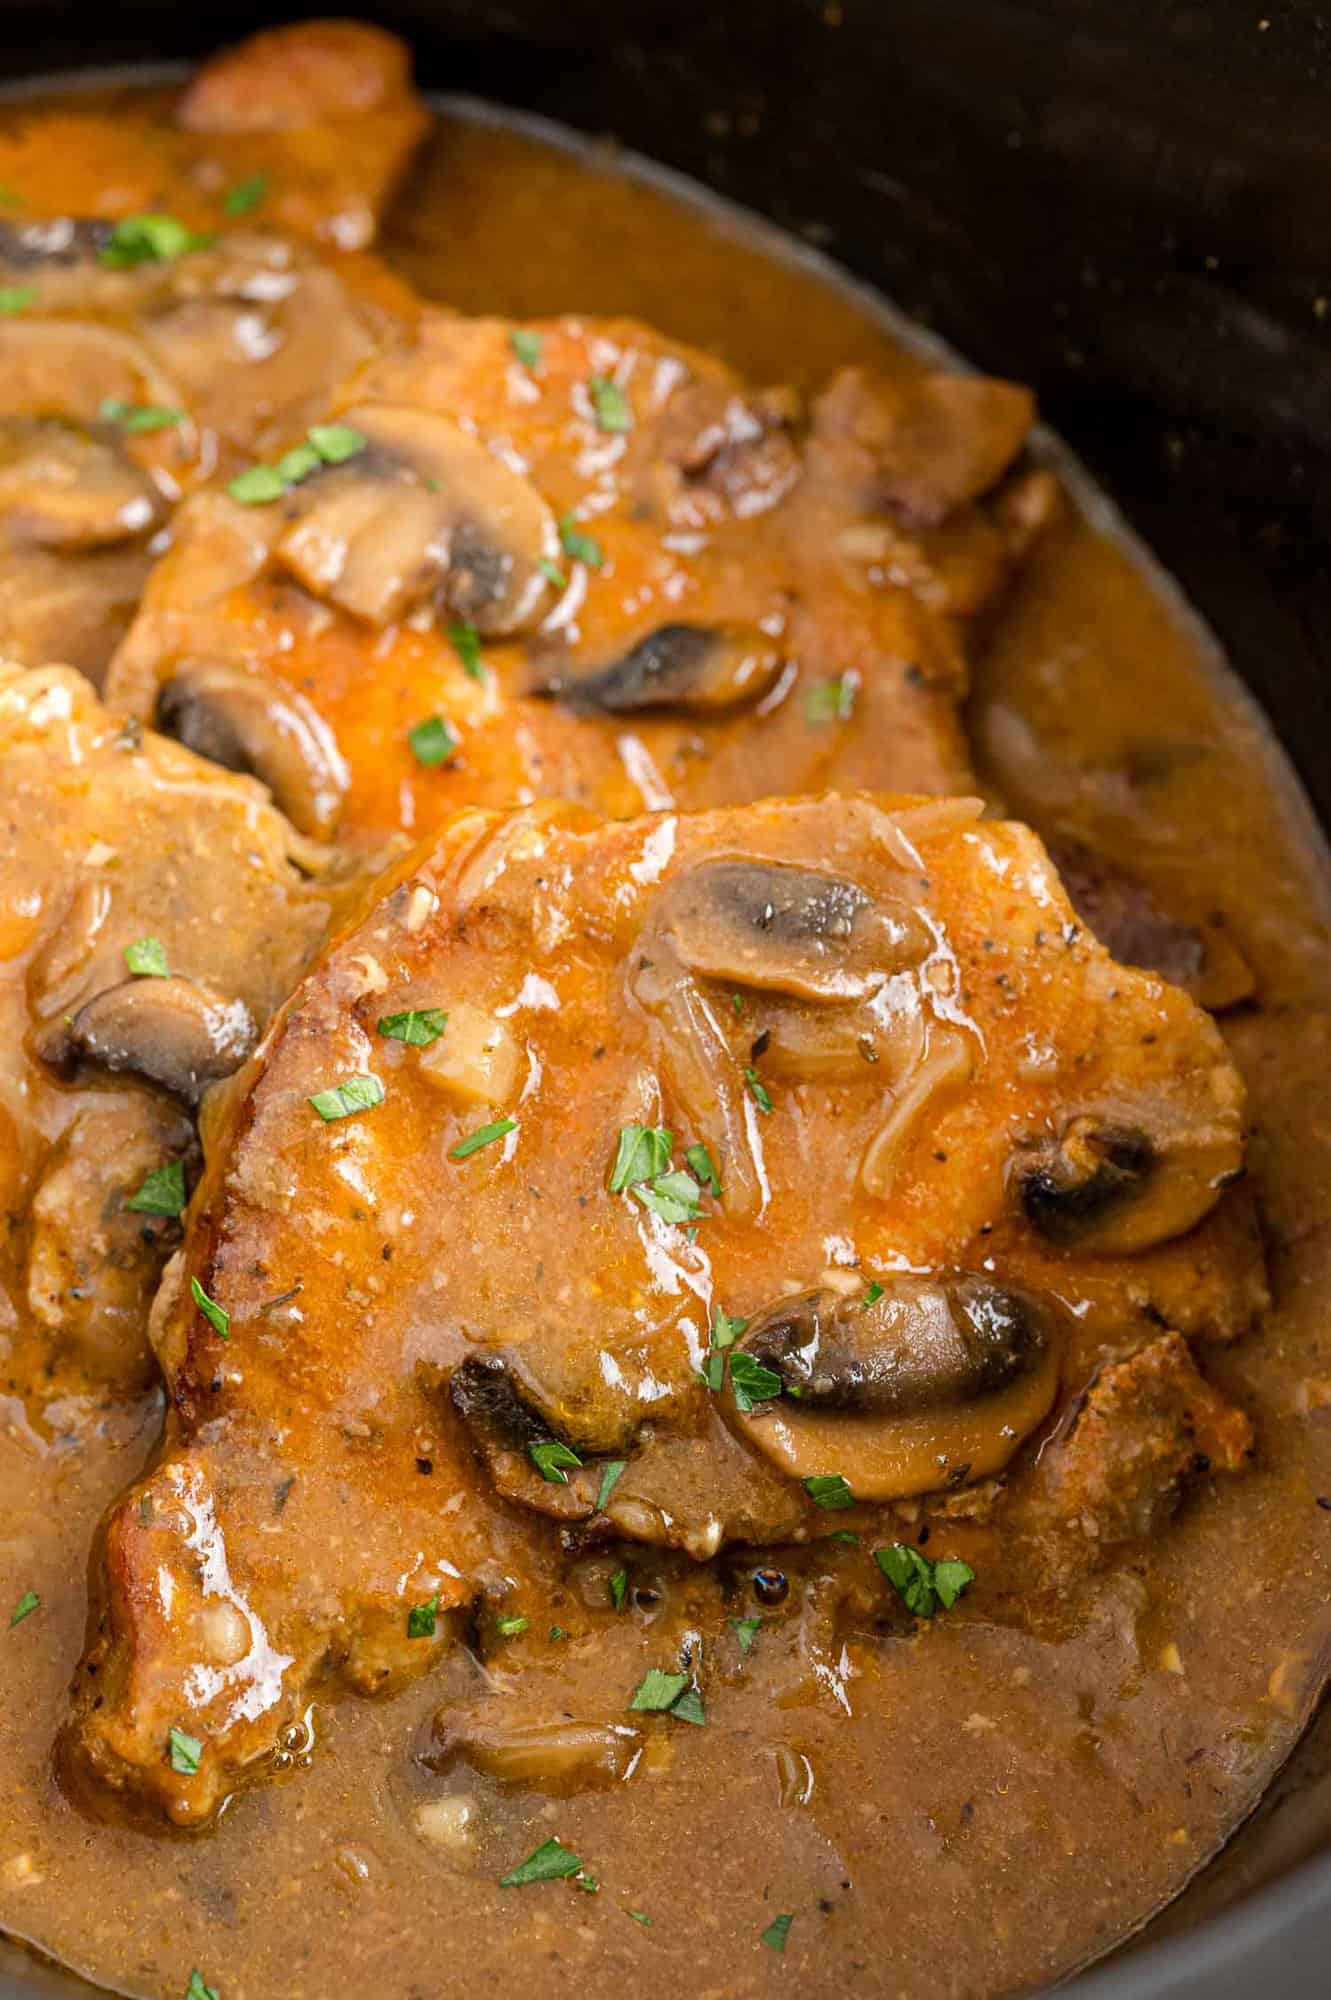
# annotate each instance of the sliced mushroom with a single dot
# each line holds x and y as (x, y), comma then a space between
(180, 1034)
(786, 929)
(1137, 929)
(558, 1758)
(247, 724)
(26, 246)
(62, 489)
(695, 667)
(925, 448)
(68, 369)
(919, 1344)
(1119, 1180)
(934, 1391)
(503, 1427)
(425, 511)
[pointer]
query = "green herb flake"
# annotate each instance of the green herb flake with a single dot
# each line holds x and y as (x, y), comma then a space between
(845, 1535)
(689, 1708)
(557, 1632)
(417, 1027)
(199, 1989)
(485, 1135)
(830, 1490)
(642, 1153)
(587, 1883)
(162, 1193)
(509, 1628)
(147, 959)
(432, 741)
(610, 405)
(751, 1382)
(218, 1318)
(246, 195)
(658, 1691)
(257, 485)
(297, 464)
(16, 298)
(640, 1917)
(619, 1588)
(551, 1862)
(700, 1163)
(725, 1330)
(25, 1607)
(422, 1618)
(675, 1197)
(582, 548)
(552, 573)
(923, 1586)
(150, 239)
(873, 1294)
(183, 1752)
(466, 643)
(526, 345)
(139, 418)
(746, 1631)
(345, 1099)
(830, 701)
(758, 1090)
(610, 1479)
(334, 444)
(713, 1372)
(774, 1937)
(551, 1458)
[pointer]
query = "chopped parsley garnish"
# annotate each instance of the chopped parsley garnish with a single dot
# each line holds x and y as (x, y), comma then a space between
(552, 573)
(700, 1161)
(751, 1382)
(845, 1535)
(184, 1751)
(147, 959)
(619, 1588)
(162, 1193)
(137, 418)
(150, 239)
(218, 1318)
(610, 405)
(643, 1152)
(466, 643)
(509, 1628)
(830, 701)
(422, 1618)
(582, 548)
(873, 1294)
(432, 741)
(485, 1135)
(725, 1330)
(639, 1916)
(922, 1585)
(16, 298)
(675, 1197)
(550, 1458)
(417, 1027)
(345, 1099)
(325, 444)
(246, 195)
(551, 1862)
(199, 1989)
(660, 1693)
(746, 1631)
(774, 1937)
(25, 1607)
(758, 1090)
(587, 1883)
(557, 1632)
(256, 485)
(526, 345)
(610, 1479)
(830, 1490)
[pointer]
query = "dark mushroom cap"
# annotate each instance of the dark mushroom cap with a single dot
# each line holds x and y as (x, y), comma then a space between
(695, 667)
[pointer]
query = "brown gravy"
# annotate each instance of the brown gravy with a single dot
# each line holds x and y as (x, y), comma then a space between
(1093, 1774)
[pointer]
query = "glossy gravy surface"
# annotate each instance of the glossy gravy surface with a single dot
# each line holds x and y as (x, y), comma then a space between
(1042, 1795)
